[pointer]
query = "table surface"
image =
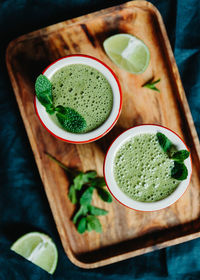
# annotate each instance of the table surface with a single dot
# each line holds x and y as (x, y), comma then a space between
(23, 203)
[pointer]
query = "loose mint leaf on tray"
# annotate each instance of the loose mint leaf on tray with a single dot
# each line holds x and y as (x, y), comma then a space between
(69, 119)
(104, 195)
(93, 223)
(72, 194)
(97, 211)
(164, 142)
(83, 210)
(83, 178)
(151, 84)
(81, 227)
(86, 197)
(98, 182)
(179, 171)
(181, 155)
(43, 89)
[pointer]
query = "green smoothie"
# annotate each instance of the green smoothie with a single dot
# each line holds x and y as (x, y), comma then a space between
(85, 90)
(142, 169)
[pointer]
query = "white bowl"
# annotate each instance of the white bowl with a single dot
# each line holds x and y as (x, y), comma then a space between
(62, 134)
(109, 164)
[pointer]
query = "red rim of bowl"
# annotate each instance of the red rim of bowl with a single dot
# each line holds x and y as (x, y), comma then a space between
(107, 154)
(120, 106)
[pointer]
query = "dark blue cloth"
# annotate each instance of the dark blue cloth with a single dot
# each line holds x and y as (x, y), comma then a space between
(23, 203)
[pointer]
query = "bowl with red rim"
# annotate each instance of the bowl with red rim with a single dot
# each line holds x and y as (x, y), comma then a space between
(105, 127)
(116, 191)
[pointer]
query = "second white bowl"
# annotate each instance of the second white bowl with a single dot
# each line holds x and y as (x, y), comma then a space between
(109, 164)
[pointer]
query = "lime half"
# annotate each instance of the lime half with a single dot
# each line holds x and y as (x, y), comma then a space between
(127, 52)
(39, 249)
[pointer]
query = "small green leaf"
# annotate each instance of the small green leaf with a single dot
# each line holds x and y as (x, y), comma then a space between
(96, 211)
(93, 223)
(43, 92)
(151, 84)
(91, 174)
(179, 171)
(86, 197)
(181, 155)
(81, 227)
(83, 210)
(72, 194)
(50, 109)
(88, 227)
(83, 178)
(104, 195)
(164, 142)
(98, 182)
(70, 120)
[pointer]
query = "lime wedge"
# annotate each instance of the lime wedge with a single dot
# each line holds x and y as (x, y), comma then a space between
(127, 52)
(39, 249)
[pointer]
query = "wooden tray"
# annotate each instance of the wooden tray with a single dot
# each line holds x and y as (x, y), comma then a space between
(126, 233)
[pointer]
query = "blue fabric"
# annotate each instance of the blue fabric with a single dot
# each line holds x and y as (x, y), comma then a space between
(23, 203)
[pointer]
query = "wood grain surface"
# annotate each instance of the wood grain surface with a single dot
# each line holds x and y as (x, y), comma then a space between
(126, 233)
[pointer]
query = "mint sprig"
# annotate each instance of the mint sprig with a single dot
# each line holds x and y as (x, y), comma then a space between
(179, 170)
(68, 118)
(151, 84)
(81, 190)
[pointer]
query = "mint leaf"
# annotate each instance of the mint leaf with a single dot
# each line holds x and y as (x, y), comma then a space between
(93, 223)
(104, 195)
(70, 120)
(88, 227)
(164, 142)
(81, 227)
(72, 194)
(179, 171)
(50, 109)
(44, 92)
(181, 155)
(83, 210)
(151, 84)
(97, 211)
(98, 182)
(83, 178)
(86, 197)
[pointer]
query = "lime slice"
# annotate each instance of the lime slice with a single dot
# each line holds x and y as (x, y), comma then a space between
(127, 52)
(39, 249)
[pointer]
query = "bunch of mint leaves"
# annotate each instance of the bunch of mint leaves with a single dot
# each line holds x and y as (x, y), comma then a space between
(68, 118)
(81, 190)
(179, 170)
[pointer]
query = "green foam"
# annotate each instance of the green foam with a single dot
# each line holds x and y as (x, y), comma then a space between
(143, 170)
(85, 90)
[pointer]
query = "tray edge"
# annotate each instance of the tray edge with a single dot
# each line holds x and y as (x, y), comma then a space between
(187, 112)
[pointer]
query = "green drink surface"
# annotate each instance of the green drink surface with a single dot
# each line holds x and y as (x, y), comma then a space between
(85, 90)
(142, 170)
